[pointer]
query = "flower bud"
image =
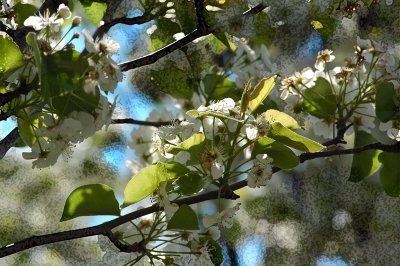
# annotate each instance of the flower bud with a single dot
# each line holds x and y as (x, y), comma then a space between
(76, 35)
(76, 21)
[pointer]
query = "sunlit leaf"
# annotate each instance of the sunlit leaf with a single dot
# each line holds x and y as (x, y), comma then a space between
(277, 116)
(196, 139)
(292, 139)
(184, 219)
(88, 200)
(261, 91)
(27, 126)
(10, 55)
(149, 178)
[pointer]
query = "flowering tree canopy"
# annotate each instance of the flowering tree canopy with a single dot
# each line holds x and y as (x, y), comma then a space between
(253, 92)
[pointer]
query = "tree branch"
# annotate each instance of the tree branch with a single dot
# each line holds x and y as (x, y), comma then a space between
(105, 228)
(143, 123)
(197, 33)
(8, 142)
(10, 95)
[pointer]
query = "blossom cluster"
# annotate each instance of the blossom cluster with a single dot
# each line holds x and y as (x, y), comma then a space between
(57, 135)
(353, 84)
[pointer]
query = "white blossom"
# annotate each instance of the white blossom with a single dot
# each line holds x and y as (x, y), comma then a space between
(323, 57)
(261, 172)
(46, 20)
(223, 219)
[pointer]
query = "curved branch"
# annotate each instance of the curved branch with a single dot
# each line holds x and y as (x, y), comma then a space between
(197, 33)
(105, 228)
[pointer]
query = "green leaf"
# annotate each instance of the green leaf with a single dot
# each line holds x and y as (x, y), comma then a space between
(221, 36)
(31, 39)
(321, 21)
(197, 114)
(365, 163)
(194, 140)
(214, 250)
(95, 11)
(23, 11)
(149, 178)
(277, 116)
(282, 156)
(261, 91)
(27, 126)
(189, 184)
(184, 219)
(11, 56)
(218, 87)
(292, 139)
(173, 81)
(386, 107)
(88, 200)
(319, 100)
(61, 84)
(390, 173)
(163, 34)
(244, 101)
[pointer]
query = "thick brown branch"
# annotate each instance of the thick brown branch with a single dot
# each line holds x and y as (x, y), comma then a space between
(104, 229)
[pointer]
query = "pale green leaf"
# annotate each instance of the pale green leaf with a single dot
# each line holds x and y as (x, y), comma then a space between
(277, 116)
(196, 139)
(292, 139)
(149, 178)
(88, 200)
(261, 91)
(10, 55)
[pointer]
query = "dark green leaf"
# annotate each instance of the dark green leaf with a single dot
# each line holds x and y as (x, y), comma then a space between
(23, 11)
(88, 200)
(319, 100)
(183, 219)
(218, 87)
(365, 163)
(214, 250)
(282, 156)
(61, 84)
(386, 107)
(189, 184)
(390, 173)
(173, 81)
